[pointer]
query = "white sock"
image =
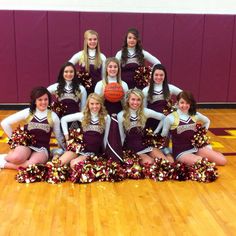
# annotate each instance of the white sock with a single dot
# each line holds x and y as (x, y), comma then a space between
(2, 160)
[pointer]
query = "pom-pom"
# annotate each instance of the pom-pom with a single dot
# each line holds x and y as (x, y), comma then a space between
(113, 92)
(56, 173)
(204, 171)
(153, 140)
(200, 138)
(59, 108)
(169, 108)
(31, 174)
(142, 76)
(75, 142)
(85, 79)
(21, 137)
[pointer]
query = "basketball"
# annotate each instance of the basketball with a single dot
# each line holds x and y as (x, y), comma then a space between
(113, 92)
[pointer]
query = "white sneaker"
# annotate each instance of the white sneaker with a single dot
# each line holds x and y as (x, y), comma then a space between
(2, 160)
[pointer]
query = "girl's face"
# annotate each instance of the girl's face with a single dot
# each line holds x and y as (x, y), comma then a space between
(183, 105)
(42, 102)
(131, 40)
(112, 69)
(68, 73)
(92, 41)
(158, 76)
(94, 105)
(134, 101)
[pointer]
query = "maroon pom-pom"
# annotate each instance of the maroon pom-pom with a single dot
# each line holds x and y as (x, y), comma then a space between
(200, 138)
(142, 76)
(85, 79)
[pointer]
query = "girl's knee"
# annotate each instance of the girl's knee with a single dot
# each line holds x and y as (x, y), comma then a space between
(15, 158)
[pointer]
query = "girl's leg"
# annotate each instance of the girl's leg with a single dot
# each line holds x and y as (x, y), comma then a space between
(212, 156)
(67, 157)
(146, 159)
(19, 155)
(77, 160)
(189, 158)
(35, 158)
(158, 153)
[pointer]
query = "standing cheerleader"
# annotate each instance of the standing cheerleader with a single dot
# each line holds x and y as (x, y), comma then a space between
(68, 91)
(158, 93)
(95, 127)
(182, 126)
(90, 59)
(131, 125)
(112, 75)
(132, 56)
(40, 122)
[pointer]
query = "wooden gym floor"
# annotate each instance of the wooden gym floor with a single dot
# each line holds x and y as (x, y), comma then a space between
(131, 207)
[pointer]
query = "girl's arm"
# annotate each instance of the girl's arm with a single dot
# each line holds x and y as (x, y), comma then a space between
(52, 88)
(203, 119)
(99, 88)
(70, 118)
(118, 55)
(121, 128)
(12, 119)
(125, 87)
(155, 115)
(145, 93)
(103, 57)
(150, 58)
(83, 97)
(75, 58)
(168, 121)
(174, 90)
(107, 128)
(57, 130)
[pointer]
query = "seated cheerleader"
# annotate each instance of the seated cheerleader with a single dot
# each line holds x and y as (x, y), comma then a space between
(95, 127)
(40, 122)
(158, 92)
(131, 125)
(112, 75)
(182, 124)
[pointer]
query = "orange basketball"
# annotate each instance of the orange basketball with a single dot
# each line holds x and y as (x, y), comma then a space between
(113, 92)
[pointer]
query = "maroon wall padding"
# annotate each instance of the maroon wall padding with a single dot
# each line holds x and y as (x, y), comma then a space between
(158, 37)
(100, 22)
(7, 58)
(197, 50)
(31, 51)
(216, 58)
(187, 50)
(232, 83)
(121, 22)
(63, 39)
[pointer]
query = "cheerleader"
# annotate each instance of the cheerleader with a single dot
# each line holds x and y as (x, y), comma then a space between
(95, 128)
(112, 75)
(158, 92)
(40, 122)
(131, 126)
(132, 56)
(182, 125)
(68, 91)
(90, 59)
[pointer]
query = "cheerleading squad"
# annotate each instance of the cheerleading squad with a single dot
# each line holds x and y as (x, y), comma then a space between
(82, 104)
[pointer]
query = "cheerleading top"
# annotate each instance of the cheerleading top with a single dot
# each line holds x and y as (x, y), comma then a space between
(133, 136)
(39, 125)
(132, 63)
(158, 96)
(74, 102)
(94, 120)
(182, 127)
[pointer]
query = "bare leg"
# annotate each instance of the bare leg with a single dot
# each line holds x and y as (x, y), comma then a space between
(67, 157)
(189, 158)
(212, 156)
(19, 155)
(77, 160)
(158, 153)
(146, 159)
(35, 158)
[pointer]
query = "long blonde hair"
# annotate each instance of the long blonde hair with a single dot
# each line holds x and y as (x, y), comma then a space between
(107, 62)
(84, 60)
(140, 112)
(101, 114)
